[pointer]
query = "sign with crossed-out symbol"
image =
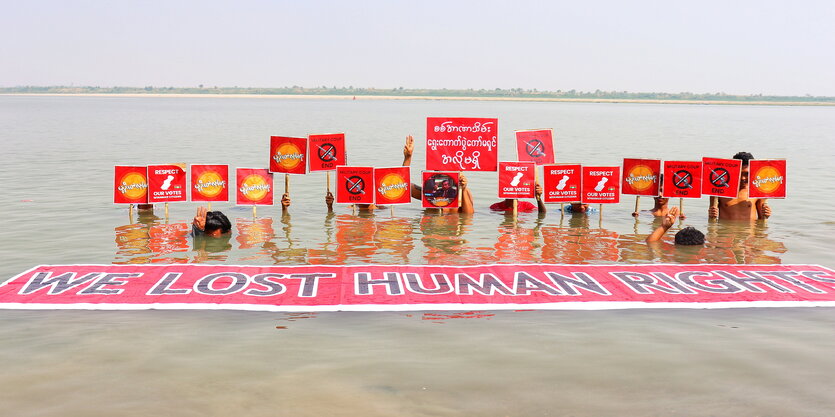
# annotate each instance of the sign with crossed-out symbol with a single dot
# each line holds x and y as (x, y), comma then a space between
(355, 185)
(683, 179)
(719, 177)
(535, 148)
(327, 152)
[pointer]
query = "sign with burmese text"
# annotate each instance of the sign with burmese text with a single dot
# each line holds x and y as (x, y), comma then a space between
(210, 183)
(682, 179)
(601, 185)
(535, 146)
(354, 185)
(641, 177)
(254, 187)
(516, 179)
(392, 186)
(288, 155)
(720, 177)
(130, 185)
(326, 152)
(462, 144)
(166, 183)
(767, 178)
(562, 183)
(417, 287)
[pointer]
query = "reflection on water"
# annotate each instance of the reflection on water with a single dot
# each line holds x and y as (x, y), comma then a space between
(433, 238)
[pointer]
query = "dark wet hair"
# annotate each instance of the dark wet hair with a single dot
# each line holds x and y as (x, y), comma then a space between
(690, 236)
(744, 156)
(217, 220)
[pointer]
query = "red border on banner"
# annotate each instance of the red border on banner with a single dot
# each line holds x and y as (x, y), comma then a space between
(417, 287)
(215, 176)
(122, 184)
(641, 177)
(288, 155)
(768, 171)
(535, 146)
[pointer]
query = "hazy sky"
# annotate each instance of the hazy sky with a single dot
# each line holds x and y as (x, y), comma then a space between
(737, 47)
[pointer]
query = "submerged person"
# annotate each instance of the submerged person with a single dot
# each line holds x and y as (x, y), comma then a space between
(210, 223)
(522, 206)
(578, 207)
(687, 236)
(466, 203)
(742, 207)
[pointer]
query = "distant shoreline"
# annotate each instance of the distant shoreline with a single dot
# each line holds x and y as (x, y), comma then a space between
(455, 98)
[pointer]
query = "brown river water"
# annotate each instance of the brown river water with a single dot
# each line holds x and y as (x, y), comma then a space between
(56, 175)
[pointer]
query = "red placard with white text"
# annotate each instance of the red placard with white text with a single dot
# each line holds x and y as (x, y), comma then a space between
(254, 187)
(516, 179)
(440, 189)
(326, 152)
(536, 146)
(354, 185)
(641, 177)
(720, 177)
(130, 185)
(210, 183)
(601, 185)
(288, 155)
(767, 178)
(562, 183)
(682, 179)
(462, 144)
(166, 183)
(392, 186)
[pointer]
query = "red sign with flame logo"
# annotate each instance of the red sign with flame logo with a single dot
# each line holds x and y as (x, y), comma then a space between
(254, 186)
(641, 177)
(130, 185)
(210, 183)
(767, 178)
(288, 155)
(392, 186)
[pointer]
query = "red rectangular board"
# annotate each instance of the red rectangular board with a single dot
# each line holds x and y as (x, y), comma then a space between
(682, 179)
(536, 146)
(440, 189)
(210, 183)
(562, 183)
(166, 183)
(130, 185)
(288, 155)
(601, 184)
(767, 178)
(516, 179)
(641, 177)
(354, 185)
(254, 187)
(392, 186)
(326, 152)
(721, 177)
(462, 144)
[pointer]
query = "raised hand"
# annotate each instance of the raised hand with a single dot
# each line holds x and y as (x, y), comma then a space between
(200, 218)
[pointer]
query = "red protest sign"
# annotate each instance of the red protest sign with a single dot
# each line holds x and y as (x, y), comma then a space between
(536, 146)
(354, 185)
(641, 177)
(767, 178)
(210, 183)
(562, 183)
(392, 186)
(166, 183)
(682, 179)
(254, 186)
(440, 189)
(462, 144)
(130, 185)
(288, 155)
(516, 179)
(326, 152)
(720, 177)
(601, 185)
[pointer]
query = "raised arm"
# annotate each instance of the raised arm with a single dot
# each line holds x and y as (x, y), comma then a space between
(763, 210)
(466, 197)
(408, 150)
(666, 224)
(539, 204)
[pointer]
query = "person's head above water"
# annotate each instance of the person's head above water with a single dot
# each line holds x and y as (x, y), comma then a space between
(217, 223)
(690, 236)
(744, 157)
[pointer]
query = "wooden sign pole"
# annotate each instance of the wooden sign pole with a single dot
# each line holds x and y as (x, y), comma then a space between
(515, 208)
(637, 198)
(130, 213)
(166, 210)
(681, 208)
(328, 181)
(210, 206)
(287, 184)
(254, 211)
